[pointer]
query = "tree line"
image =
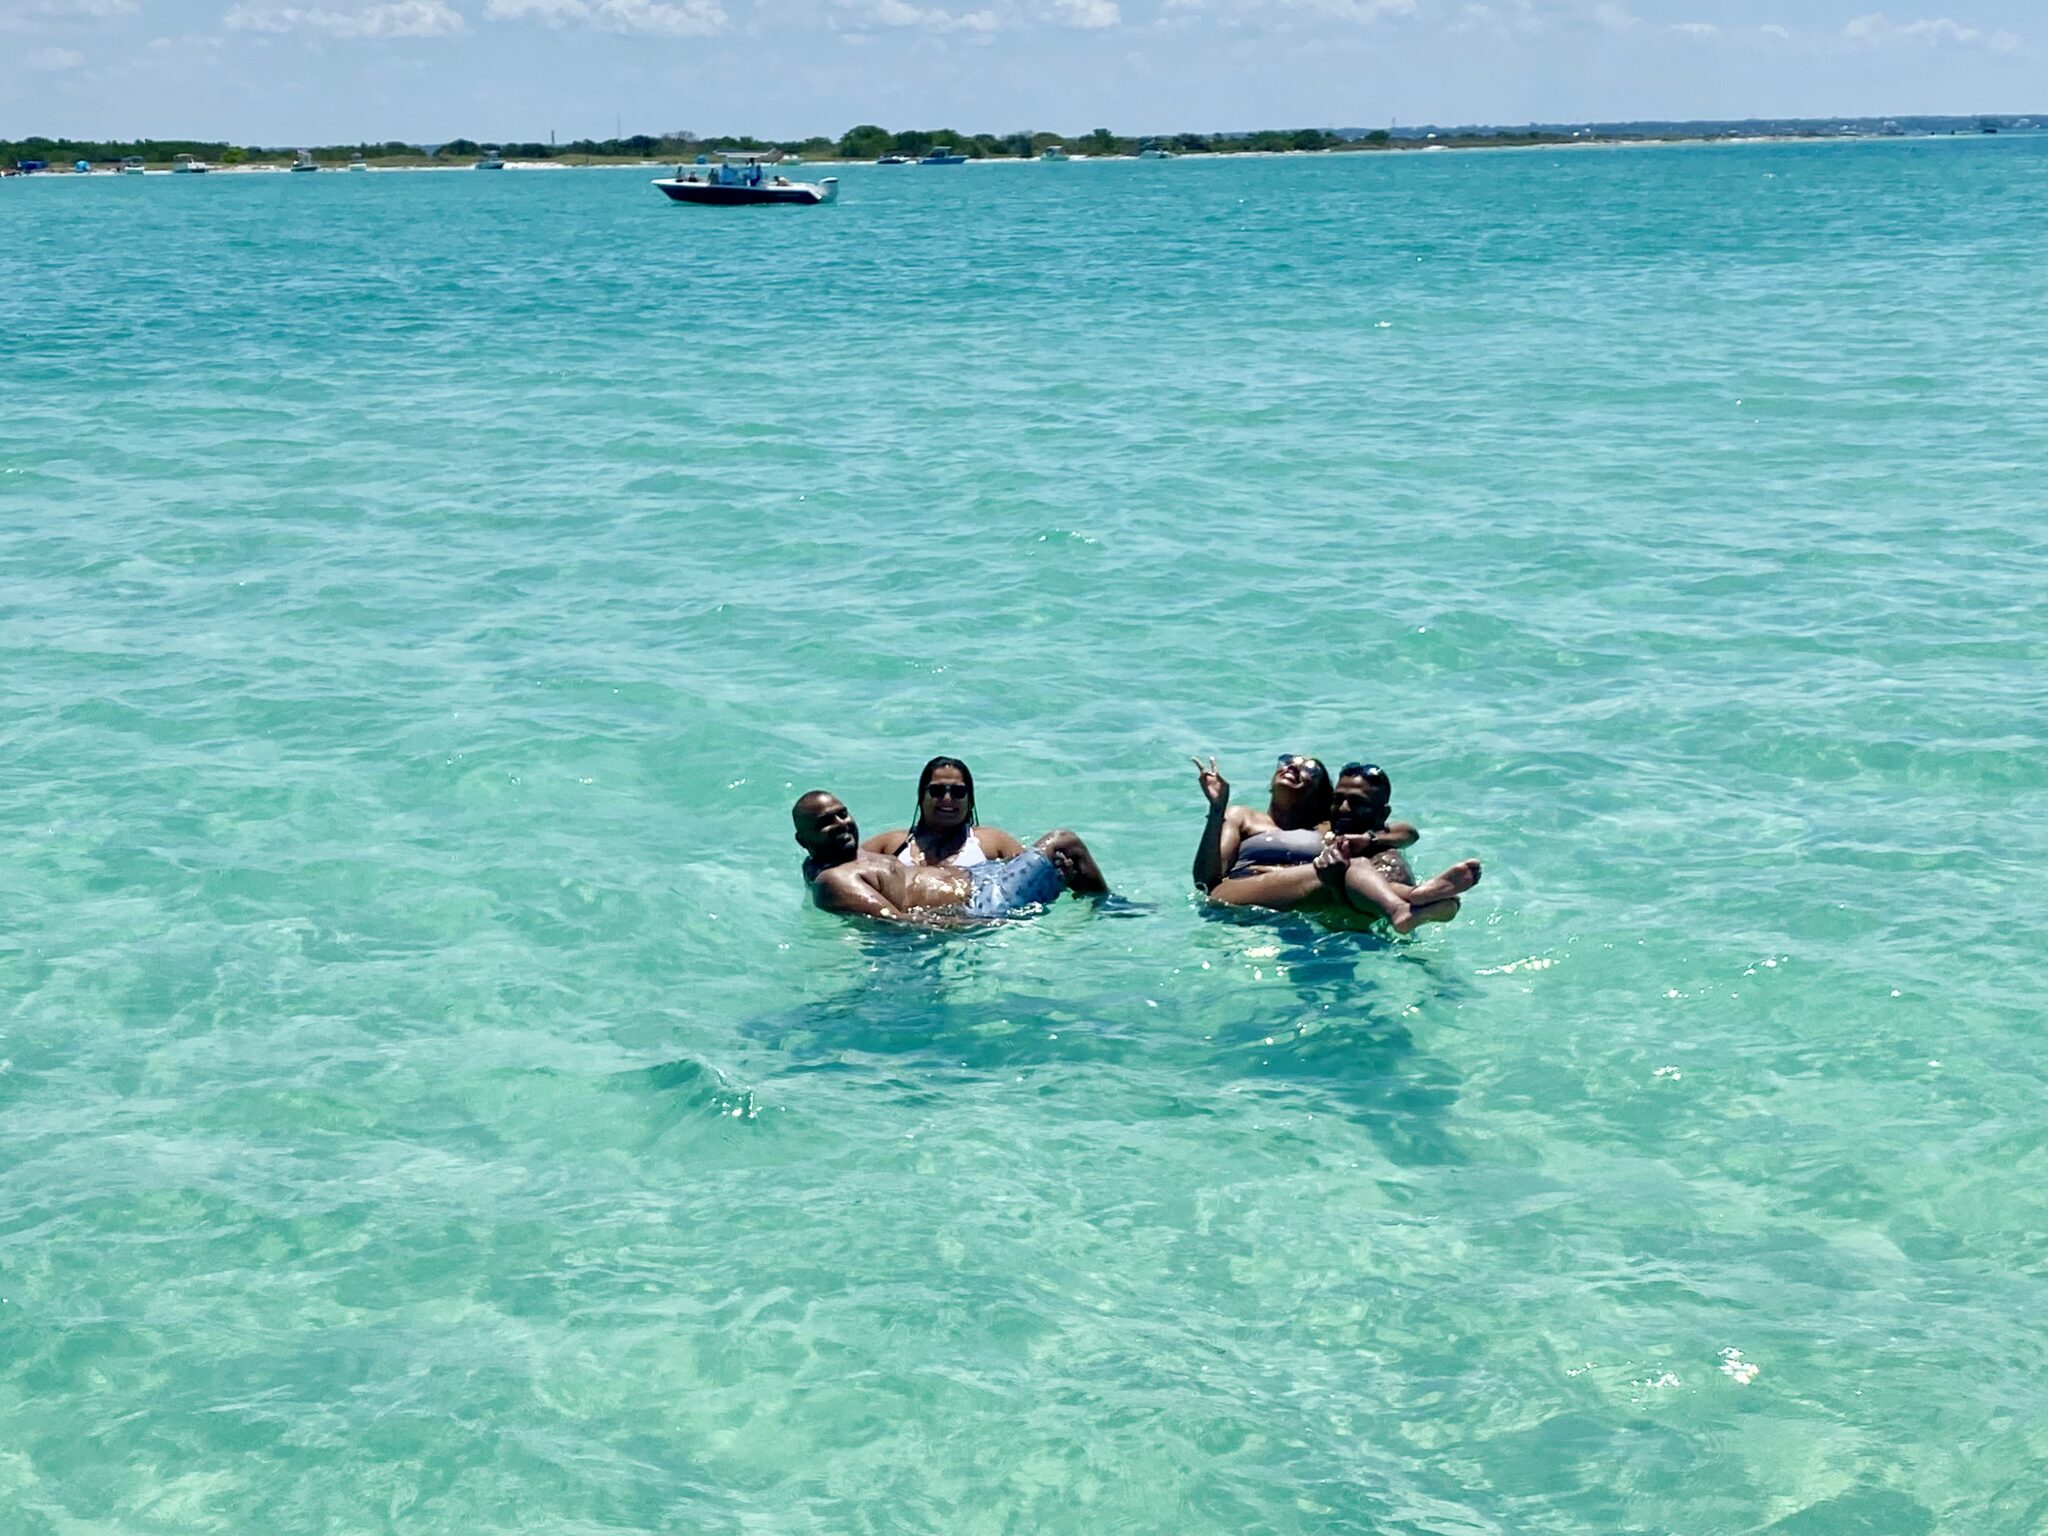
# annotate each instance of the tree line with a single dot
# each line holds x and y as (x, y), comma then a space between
(865, 142)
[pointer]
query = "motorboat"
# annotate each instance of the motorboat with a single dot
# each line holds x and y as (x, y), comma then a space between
(189, 165)
(305, 161)
(131, 165)
(893, 160)
(942, 154)
(1154, 152)
(490, 160)
(356, 162)
(1054, 152)
(742, 178)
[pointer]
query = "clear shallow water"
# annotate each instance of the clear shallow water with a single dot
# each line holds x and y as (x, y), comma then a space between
(426, 1105)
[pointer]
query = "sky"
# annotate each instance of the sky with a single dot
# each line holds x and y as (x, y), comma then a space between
(282, 72)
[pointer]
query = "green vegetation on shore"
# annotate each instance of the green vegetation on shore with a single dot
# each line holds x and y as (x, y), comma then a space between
(869, 141)
(863, 143)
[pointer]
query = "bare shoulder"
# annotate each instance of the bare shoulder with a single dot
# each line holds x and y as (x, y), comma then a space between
(997, 843)
(1247, 820)
(889, 842)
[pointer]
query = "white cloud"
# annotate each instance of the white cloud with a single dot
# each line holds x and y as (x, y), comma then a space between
(1086, 15)
(900, 13)
(650, 18)
(54, 61)
(1878, 30)
(100, 8)
(1695, 29)
(392, 18)
(1357, 10)
(1520, 19)
(1614, 18)
(1772, 29)
(554, 12)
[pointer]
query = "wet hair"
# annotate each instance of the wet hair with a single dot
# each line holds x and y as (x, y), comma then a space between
(1373, 774)
(924, 780)
(1317, 794)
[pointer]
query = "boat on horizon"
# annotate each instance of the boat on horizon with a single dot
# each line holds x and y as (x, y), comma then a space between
(1054, 152)
(740, 179)
(356, 162)
(892, 160)
(942, 154)
(490, 160)
(189, 165)
(131, 165)
(305, 161)
(1155, 152)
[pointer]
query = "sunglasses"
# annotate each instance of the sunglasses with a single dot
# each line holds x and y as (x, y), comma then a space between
(1361, 771)
(1291, 759)
(947, 791)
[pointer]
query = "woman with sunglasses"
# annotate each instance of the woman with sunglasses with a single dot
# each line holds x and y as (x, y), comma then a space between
(1292, 829)
(945, 831)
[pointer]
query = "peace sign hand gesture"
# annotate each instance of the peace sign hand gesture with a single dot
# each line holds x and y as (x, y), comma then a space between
(1215, 787)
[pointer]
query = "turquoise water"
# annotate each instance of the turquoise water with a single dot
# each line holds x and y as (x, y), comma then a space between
(426, 1104)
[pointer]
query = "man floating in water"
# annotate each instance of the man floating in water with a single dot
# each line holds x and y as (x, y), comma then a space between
(846, 878)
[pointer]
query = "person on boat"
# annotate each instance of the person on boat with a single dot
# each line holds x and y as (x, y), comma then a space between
(846, 878)
(1357, 864)
(945, 829)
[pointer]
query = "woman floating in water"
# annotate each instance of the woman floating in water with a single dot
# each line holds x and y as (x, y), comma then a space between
(945, 830)
(1319, 846)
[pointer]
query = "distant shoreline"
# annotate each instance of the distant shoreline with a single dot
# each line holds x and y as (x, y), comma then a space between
(868, 143)
(389, 165)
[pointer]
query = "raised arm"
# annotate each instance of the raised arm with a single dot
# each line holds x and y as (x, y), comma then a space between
(1221, 833)
(846, 890)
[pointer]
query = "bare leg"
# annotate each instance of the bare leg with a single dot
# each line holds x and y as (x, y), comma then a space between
(1281, 890)
(1070, 856)
(1405, 906)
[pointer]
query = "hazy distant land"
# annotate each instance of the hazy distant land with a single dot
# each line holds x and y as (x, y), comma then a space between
(868, 141)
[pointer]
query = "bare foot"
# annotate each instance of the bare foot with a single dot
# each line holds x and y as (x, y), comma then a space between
(1452, 882)
(1412, 915)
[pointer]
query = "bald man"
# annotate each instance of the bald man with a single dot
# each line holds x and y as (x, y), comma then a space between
(846, 878)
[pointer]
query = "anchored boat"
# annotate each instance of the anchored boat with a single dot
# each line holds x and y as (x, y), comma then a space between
(742, 178)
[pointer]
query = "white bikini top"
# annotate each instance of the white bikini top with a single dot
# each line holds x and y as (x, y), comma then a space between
(966, 856)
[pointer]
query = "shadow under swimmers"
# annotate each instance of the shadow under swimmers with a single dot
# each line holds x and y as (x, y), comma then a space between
(1331, 1029)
